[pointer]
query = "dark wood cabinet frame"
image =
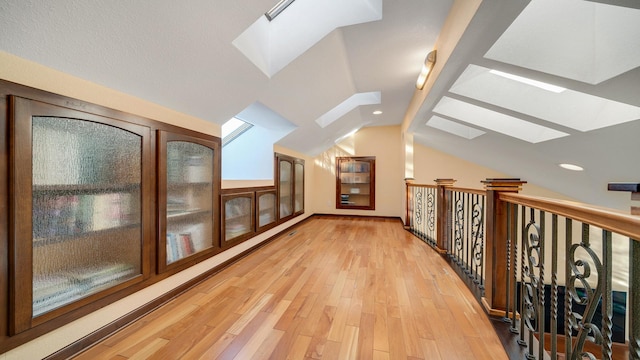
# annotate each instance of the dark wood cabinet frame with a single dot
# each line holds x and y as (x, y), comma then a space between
(371, 160)
(163, 138)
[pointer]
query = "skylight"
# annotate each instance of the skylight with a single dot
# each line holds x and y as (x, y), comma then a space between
(568, 108)
(355, 100)
(454, 128)
(586, 41)
(524, 80)
(272, 45)
(496, 121)
(232, 129)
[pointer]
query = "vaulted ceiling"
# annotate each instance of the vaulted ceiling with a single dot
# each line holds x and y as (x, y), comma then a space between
(196, 57)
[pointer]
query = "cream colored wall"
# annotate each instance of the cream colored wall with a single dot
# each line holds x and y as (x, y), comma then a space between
(430, 164)
(385, 144)
(34, 75)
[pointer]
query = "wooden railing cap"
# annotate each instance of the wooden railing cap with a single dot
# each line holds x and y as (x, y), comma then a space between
(503, 184)
(445, 182)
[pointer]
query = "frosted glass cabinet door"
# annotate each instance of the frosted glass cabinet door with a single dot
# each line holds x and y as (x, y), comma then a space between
(285, 190)
(238, 212)
(266, 208)
(188, 175)
(78, 200)
(299, 188)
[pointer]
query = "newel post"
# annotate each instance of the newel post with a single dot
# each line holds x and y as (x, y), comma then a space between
(496, 243)
(442, 204)
(408, 200)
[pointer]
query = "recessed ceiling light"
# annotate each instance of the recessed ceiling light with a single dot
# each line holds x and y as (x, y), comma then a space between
(524, 80)
(377, 112)
(571, 167)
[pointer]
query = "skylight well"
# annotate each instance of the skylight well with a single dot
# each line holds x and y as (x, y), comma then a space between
(565, 107)
(496, 121)
(232, 129)
(272, 45)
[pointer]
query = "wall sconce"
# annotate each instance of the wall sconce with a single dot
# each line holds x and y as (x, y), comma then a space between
(277, 9)
(429, 62)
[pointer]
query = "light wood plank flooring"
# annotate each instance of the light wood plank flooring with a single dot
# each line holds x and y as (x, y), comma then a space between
(337, 288)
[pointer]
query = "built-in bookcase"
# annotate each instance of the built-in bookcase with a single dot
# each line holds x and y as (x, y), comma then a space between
(101, 204)
(290, 186)
(238, 214)
(80, 221)
(355, 183)
(188, 181)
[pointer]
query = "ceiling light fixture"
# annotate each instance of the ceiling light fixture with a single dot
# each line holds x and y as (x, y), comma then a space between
(524, 80)
(429, 62)
(377, 112)
(277, 9)
(571, 167)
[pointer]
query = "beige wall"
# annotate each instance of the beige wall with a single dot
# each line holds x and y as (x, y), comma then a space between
(383, 142)
(430, 164)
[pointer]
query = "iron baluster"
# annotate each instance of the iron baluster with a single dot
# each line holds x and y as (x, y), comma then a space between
(554, 287)
(634, 299)
(586, 329)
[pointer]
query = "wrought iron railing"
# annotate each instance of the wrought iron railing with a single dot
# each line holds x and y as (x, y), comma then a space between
(564, 277)
(466, 236)
(422, 206)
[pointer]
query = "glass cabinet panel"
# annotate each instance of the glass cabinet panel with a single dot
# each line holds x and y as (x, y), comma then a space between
(285, 189)
(188, 179)
(238, 216)
(189, 205)
(86, 209)
(355, 183)
(266, 208)
(299, 188)
(78, 205)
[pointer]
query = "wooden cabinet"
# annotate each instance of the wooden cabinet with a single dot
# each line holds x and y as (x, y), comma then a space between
(355, 183)
(238, 212)
(290, 186)
(266, 209)
(81, 217)
(100, 204)
(188, 183)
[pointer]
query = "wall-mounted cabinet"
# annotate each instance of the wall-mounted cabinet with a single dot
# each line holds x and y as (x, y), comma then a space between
(81, 219)
(290, 186)
(355, 183)
(238, 214)
(102, 204)
(188, 184)
(266, 209)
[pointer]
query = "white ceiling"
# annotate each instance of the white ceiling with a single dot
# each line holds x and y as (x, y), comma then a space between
(590, 48)
(182, 55)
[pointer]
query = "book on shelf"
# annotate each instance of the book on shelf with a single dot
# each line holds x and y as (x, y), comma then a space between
(66, 215)
(179, 246)
(266, 218)
(355, 166)
(53, 291)
(234, 230)
(235, 208)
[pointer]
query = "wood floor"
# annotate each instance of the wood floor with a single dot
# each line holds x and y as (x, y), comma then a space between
(336, 288)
